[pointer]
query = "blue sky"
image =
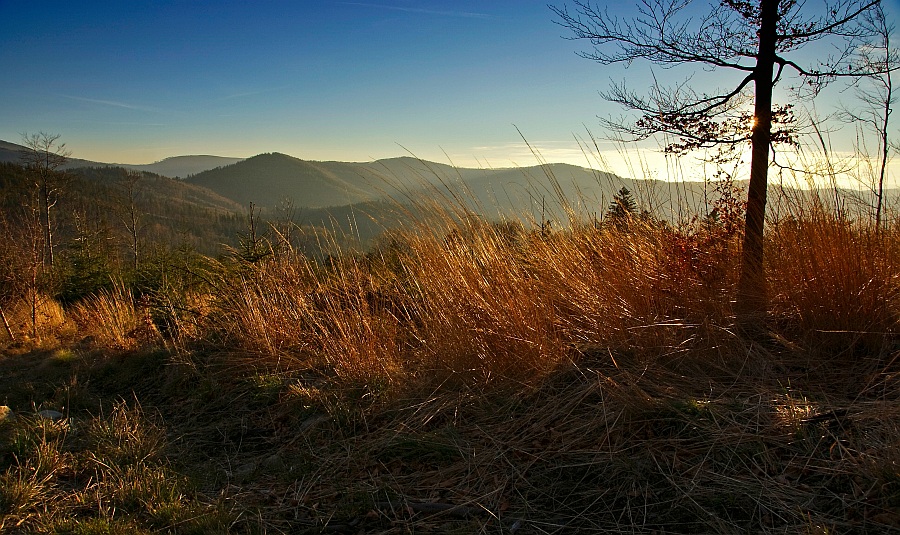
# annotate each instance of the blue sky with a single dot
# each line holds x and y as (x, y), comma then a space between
(136, 81)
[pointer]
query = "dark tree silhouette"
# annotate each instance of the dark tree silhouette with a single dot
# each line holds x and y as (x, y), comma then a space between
(622, 205)
(757, 38)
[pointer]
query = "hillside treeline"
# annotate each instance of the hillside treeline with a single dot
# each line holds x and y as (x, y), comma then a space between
(106, 224)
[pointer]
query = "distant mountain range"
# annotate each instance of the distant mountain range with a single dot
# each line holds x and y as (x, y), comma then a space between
(269, 179)
(355, 196)
(173, 167)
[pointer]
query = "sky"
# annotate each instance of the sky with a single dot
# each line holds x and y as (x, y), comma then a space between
(455, 81)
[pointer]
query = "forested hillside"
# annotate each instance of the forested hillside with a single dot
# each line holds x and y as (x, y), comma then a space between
(101, 200)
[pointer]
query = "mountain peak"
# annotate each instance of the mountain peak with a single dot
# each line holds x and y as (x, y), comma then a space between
(269, 178)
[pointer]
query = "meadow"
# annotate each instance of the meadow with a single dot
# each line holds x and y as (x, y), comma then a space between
(465, 376)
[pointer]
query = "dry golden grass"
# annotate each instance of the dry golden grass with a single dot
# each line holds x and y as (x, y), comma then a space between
(587, 379)
(476, 311)
(37, 318)
(480, 303)
(484, 305)
(482, 378)
(833, 280)
(110, 317)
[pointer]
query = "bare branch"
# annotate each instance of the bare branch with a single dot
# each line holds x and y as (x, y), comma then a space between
(749, 36)
(808, 31)
(656, 37)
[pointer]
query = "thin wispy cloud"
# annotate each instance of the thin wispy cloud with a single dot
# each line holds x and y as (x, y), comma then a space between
(119, 123)
(422, 11)
(111, 103)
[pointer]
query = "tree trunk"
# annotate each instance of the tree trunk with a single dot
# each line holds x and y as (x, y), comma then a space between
(48, 223)
(9, 331)
(752, 299)
(133, 230)
(885, 147)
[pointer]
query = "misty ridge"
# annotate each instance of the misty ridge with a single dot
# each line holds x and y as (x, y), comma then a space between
(360, 201)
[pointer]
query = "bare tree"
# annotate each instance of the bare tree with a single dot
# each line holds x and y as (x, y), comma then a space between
(757, 39)
(876, 96)
(132, 217)
(43, 157)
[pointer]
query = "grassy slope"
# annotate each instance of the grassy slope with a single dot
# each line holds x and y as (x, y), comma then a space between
(479, 379)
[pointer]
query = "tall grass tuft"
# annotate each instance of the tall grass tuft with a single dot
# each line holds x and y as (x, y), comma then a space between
(834, 281)
(36, 317)
(264, 316)
(480, 311)
(482, 302)
(113, 319)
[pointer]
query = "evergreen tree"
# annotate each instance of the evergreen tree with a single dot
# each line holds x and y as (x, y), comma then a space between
(622, 206)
